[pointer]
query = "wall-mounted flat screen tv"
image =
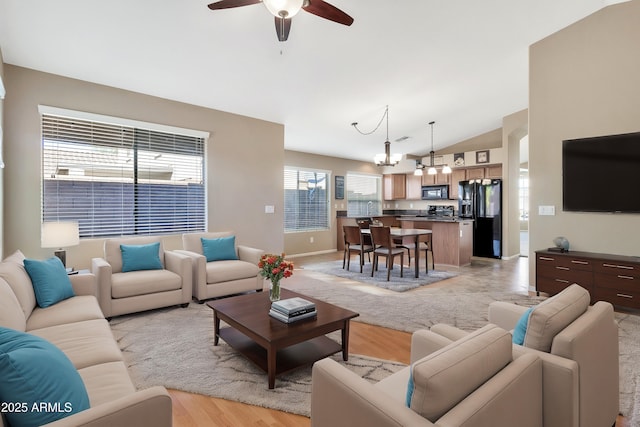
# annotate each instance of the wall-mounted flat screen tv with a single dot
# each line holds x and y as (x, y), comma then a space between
(601, 174)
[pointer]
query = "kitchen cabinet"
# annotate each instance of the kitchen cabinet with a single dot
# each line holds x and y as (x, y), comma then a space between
(437, 179)
(612, 278)
(475, 173)
(394, 186)
(452, 240)
(457, 175)
(493, 171)
(414, 187)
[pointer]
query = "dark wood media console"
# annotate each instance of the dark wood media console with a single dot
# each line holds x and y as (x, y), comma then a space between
(612, 278)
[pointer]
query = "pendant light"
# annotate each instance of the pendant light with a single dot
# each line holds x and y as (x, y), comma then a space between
(386, 158)
(432, 168)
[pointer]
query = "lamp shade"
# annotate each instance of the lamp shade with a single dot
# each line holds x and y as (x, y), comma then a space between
(60, 234)
(283, 8)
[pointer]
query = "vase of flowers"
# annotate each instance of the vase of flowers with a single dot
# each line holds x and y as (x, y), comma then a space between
(275, 268)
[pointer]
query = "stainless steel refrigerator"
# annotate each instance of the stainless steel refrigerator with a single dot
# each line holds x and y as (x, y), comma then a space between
(481, 200)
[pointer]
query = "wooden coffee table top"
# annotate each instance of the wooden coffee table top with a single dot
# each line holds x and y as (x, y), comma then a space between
(274, 346)
(250, 313)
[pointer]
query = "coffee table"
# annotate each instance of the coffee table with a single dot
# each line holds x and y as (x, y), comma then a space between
(274, 346)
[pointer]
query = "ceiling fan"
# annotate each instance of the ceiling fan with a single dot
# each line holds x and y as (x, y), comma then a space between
(284, 10)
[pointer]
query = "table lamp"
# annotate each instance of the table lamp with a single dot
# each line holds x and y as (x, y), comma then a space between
(59, 235)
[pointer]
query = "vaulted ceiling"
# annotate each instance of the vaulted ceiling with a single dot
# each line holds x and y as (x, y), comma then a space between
(462, 63)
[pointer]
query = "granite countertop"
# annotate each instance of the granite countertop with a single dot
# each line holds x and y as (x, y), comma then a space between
(432, 219)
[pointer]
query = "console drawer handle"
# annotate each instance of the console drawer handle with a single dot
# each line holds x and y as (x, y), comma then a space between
(562, 268)
(544, 258)
(625, 296)
(620, 276)
(562, 281)
(579, 262)
(625, 267)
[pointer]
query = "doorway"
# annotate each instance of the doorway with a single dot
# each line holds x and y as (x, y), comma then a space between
(523, 196)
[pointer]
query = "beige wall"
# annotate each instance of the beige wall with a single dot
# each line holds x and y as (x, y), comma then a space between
(584, 81)
(244, 164)
(323, 241)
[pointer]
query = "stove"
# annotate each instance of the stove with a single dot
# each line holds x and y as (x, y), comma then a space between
(438, 211)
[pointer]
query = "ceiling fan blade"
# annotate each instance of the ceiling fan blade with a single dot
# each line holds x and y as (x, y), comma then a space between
(283, 26)
(327, 11)
(227, 4)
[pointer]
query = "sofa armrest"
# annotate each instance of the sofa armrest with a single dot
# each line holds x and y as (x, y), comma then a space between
(448, 331)
(101, 269)
(150, 407)
(340, 398)
(180, 264)
(505, 314)
(198, 271)
(248, 254)
(560, 385)
(424, 342)
(84, 284)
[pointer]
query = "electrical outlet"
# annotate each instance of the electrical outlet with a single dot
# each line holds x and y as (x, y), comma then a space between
(311, 239)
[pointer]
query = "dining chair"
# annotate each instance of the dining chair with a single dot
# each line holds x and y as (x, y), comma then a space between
(425, 246)
(353, 242)
(383, 246)
(365, 224)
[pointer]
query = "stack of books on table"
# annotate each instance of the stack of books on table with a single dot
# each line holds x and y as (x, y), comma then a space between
(292, 309)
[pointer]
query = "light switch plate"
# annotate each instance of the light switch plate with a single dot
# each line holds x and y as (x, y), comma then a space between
(269, 209)
(546, 210)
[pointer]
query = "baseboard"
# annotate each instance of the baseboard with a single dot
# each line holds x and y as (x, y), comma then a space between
(506, 258)
(328, 251)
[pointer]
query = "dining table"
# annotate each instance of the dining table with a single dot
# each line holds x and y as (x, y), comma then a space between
(415, 233)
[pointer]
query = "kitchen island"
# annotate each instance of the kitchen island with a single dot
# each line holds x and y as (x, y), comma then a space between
(452, 238)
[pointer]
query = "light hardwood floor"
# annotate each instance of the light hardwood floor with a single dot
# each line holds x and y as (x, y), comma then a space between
(196, 410)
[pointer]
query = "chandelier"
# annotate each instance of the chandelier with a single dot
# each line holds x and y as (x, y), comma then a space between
(431, 168)
(386, 158)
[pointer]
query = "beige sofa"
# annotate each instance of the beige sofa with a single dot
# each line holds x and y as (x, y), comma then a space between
(565, 329)
(473, 382)
(133, 291)
(78, 328)
(223, 277)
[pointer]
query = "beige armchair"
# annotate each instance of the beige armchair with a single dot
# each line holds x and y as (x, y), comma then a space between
(473, 382)
(121, 292)
(224, 276)
(584, 338)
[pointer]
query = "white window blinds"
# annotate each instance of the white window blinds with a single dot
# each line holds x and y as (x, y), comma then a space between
(306, 200)
(120, 180)
(364, 194)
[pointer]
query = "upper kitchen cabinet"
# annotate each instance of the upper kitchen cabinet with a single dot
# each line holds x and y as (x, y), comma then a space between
(493, 171)
(394, 186)
(475, 173)
(414, 187)
(457, 175)
(437, 179)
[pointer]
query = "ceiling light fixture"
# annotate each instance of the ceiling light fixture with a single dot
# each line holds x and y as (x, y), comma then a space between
(386, 158)
(432, 168)
(284, 8)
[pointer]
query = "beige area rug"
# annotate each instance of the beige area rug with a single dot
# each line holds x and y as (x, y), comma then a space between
(174, 348)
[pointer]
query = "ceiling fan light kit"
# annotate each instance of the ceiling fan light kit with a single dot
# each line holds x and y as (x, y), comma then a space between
(284, 10)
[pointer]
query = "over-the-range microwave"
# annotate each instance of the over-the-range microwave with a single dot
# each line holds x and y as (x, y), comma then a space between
(435, 192)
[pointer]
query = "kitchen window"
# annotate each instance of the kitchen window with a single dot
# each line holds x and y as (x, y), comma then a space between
(364, 194)
(306, 199)
(121, 180)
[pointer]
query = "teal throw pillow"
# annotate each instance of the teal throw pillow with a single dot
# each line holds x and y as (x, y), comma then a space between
(141, 257)
(410, 388)
(520, 330)
(222, 248)
(38, 380)
(50, 281)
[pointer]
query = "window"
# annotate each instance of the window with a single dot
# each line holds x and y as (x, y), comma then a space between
(364, 194)
(118, 180)
(306, 200)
